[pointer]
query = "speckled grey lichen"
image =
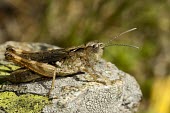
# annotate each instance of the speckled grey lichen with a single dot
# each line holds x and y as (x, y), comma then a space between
(74, 95)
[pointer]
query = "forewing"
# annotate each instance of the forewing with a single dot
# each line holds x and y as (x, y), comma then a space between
(46, 56)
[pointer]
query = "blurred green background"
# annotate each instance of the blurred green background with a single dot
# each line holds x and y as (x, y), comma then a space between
(67, 23)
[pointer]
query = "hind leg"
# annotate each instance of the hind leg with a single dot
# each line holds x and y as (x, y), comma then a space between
(22, 75)
(43, 69)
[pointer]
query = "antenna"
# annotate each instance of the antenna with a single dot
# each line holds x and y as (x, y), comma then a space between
(132, 46)
(120, 35)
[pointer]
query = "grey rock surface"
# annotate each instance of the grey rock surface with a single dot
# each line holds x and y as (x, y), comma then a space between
(75, 95)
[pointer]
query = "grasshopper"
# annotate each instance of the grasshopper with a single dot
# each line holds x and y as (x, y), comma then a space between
(58, 62)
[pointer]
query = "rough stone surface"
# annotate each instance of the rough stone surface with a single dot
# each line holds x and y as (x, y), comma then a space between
(75, 95)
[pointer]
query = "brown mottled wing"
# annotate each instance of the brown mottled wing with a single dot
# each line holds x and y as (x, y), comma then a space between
(47, 56)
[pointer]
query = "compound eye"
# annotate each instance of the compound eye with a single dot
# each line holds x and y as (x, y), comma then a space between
(94, 46)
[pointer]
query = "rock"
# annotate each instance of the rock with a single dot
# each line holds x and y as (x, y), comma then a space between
(73, 94)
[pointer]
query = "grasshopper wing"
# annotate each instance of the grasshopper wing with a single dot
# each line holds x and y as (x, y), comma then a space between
(46, 56)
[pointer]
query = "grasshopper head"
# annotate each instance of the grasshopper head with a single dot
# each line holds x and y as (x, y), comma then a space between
(95, 49)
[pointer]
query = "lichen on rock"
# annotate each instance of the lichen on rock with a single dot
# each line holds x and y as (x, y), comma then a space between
(26, 103)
